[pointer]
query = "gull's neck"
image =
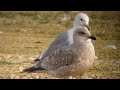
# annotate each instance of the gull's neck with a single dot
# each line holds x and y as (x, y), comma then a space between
(79, 45)
(76, 25)
(79, 40)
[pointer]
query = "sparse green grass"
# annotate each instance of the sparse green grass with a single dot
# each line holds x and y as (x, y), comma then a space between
(26, 34)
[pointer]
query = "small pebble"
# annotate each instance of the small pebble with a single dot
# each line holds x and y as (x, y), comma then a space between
(110, 47)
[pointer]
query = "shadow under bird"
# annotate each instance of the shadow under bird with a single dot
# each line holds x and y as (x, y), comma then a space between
(72, 60)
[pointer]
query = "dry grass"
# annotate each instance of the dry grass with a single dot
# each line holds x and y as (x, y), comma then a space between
(24, 35)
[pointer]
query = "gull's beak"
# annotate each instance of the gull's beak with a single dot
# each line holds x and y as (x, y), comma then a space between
(92, 37)
(88, 27)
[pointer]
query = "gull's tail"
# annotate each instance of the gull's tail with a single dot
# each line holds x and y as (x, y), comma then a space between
(36, 60)
(33, 69)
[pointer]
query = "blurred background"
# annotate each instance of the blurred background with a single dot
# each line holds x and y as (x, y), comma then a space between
(25, 34)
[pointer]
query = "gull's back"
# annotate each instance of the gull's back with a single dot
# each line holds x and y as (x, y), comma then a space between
(63, 39)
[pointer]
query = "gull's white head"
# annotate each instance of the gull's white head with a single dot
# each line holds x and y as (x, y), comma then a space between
(81, 20)
(82, 34)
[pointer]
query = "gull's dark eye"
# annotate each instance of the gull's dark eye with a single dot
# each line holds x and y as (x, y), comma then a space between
(81, 32)
(81, 19)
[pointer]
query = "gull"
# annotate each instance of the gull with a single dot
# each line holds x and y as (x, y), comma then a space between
(70, 60)
(66, 38)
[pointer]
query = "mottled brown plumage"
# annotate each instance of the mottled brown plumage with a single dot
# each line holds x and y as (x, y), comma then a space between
(70, 60)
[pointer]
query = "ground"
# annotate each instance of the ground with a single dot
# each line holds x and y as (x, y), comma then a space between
(25, 35)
